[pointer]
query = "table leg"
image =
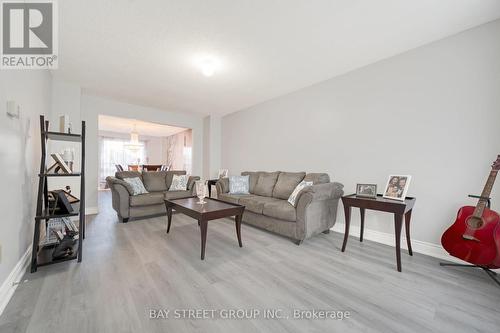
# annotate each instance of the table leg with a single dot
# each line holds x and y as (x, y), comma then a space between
(203, 231)
(169, 218)
(347, 213)
(407, 228)
(362, 213)
(398, 224)
(238, 228)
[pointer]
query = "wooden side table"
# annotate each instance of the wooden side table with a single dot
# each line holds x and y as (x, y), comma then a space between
(398, 208)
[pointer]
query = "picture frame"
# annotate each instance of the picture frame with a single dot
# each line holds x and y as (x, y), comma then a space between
(397, 187)
(59, 202)
(60, 163)
(223, 173)
(366, 190)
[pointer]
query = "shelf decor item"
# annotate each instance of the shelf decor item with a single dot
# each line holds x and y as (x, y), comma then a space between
(60, 164)
(397, 186)
(366, 190)
(63, 123)
(69, 246)
(68, 156)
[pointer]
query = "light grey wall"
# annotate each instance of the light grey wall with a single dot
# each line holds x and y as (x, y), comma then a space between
(433, 113)
(93, 106)
(20, 160)
(65, 101)
(212, 146)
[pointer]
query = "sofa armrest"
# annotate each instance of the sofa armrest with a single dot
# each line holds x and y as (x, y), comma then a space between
(317, 209)
(191, 181)
(120, 195)
(222, 185)
(324, 191)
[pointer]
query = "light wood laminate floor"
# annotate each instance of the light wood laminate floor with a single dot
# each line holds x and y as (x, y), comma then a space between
(129, 269)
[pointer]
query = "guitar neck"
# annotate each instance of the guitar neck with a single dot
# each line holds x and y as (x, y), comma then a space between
(481, 205)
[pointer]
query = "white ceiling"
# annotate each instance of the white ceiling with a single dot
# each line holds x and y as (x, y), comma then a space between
(142, 51)
(125, 125)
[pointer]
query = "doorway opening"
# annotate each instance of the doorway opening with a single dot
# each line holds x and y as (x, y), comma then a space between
(131, 144)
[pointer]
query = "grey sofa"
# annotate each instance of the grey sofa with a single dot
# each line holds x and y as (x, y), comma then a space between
(267, 203)
(157, 183)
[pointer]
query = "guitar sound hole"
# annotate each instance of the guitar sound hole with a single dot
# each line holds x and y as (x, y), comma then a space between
(475, 222)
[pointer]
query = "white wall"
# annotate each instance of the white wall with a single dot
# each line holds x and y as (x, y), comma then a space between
(212, 146)
(433, 112)
(92, 106)
(20, 161)
(65, 101)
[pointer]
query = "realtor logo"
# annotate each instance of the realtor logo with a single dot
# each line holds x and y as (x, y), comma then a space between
(29, 35)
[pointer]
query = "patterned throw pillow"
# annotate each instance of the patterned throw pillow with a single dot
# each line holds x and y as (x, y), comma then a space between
(293, 197)
(137, 185)
(179, 183)
(239, 184)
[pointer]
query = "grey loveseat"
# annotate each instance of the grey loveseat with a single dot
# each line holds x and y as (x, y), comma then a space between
(267, 203)
(157, 183)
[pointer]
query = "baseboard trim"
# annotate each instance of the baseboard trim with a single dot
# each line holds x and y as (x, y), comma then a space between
(91, 210)
(9, 286)
(426, 248)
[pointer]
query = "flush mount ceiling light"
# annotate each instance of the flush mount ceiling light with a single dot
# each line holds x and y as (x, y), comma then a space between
(208, 65)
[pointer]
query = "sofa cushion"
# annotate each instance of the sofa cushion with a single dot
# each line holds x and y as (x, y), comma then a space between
(233, 198)
(265, 184)
(136, 185)
(170, 175)
(224, 184)
(281, 210)
(286, 183)
(115, 181)
(153, 198)
(154, 181)
(317, 178)
(191, 181)
(292, 200)
(128, 174)
(178, 194)
(254, 176)
(255, 204)
(179, 183)
(239, 184)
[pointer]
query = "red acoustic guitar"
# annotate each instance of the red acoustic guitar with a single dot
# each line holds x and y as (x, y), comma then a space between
(475, 235)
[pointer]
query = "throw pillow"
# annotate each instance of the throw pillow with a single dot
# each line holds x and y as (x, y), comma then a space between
(293, 197)
(137, 185)
(239, 185)
(179, 183)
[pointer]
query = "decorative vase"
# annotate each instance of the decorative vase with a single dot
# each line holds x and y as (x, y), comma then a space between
(201, 191)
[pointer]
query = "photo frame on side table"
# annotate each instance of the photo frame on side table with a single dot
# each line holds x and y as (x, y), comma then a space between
(397, 187)
(366, 190)
(223, 173)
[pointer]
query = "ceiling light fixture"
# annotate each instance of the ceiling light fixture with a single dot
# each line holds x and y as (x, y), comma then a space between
(134, 144)
(208, 65)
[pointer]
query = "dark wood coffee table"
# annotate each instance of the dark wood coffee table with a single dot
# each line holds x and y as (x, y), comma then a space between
(213, 209)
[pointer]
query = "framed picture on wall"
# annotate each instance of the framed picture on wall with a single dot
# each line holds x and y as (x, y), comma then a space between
(397, 186)
(366, 190)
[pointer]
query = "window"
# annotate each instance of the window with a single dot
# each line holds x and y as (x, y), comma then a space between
(114, 151)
